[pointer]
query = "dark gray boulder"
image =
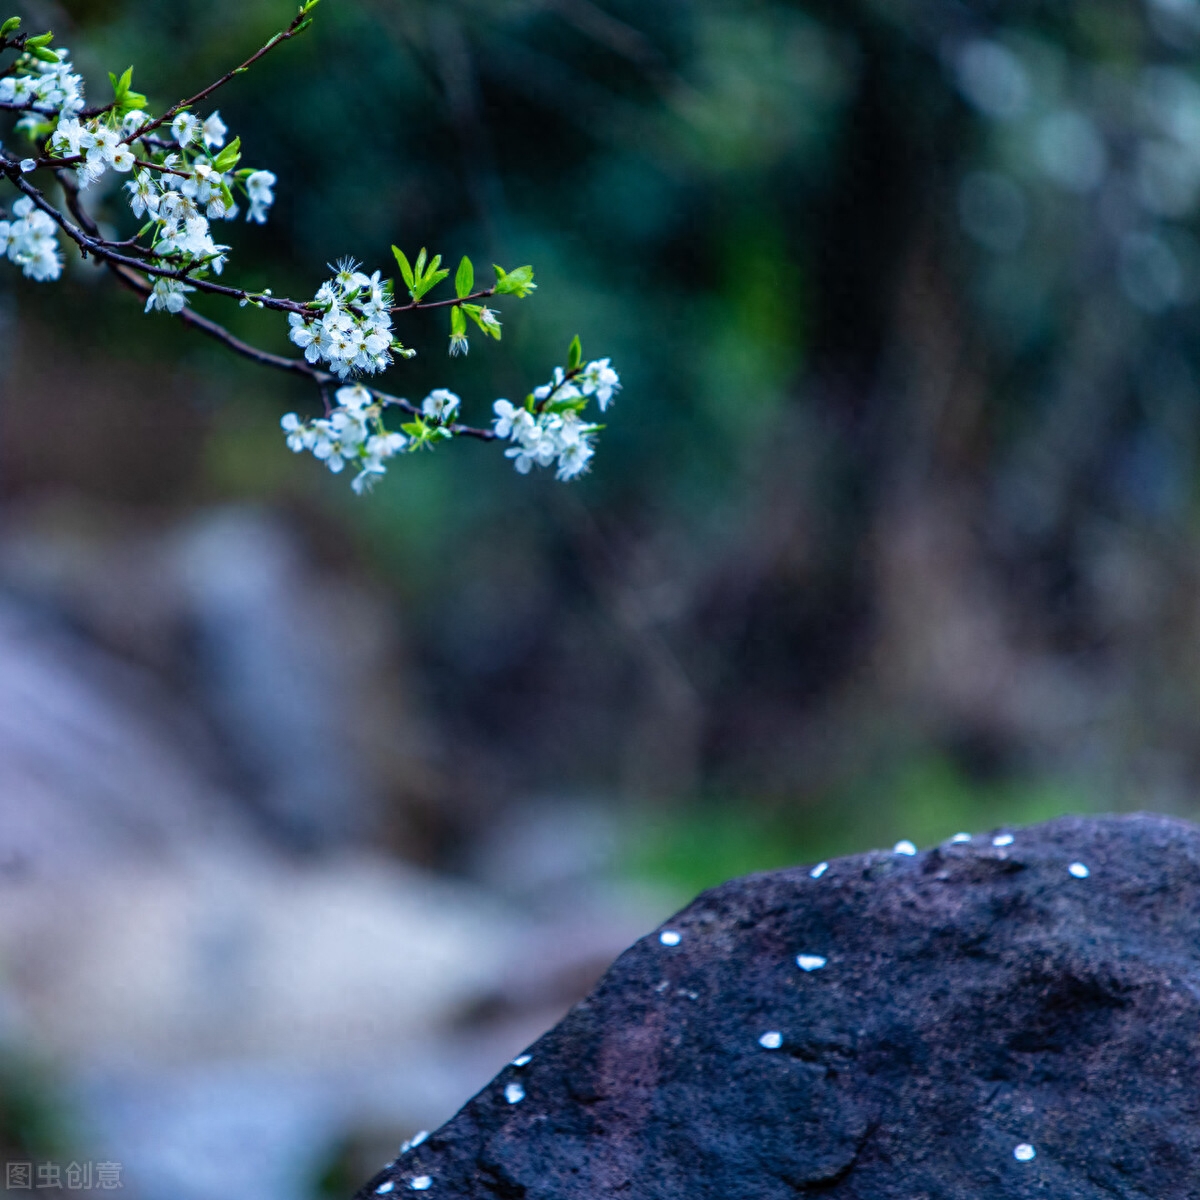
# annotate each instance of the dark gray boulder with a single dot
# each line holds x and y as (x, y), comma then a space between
(976, 1000)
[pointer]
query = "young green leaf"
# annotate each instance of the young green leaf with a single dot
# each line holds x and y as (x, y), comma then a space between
(42, 39)
(44, 55)
(574, 354)
(518, 282)
(405, 268)
(430, 278)
(10, 26)
(229, 156)
(419, 269)
(464, 279)
(430, 282)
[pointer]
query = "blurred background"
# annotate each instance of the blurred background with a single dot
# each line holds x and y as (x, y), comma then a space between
(315, 809)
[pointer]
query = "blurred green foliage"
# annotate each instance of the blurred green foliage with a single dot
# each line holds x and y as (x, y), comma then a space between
(929, 799)
(34, 1124)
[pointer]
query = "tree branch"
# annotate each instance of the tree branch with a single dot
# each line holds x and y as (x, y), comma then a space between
(99, 248)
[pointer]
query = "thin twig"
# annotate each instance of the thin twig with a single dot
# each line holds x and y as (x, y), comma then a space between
(295, 366)
(444, 303)
(204, 93)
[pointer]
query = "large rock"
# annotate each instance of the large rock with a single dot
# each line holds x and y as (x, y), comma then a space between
(977, 1000)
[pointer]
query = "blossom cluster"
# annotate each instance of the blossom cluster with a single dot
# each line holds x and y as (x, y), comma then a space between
(549, 430)
(43, 87)
(185, 181)
(29, 241)
(353, 433)
(186, 188)
(97, 143)
(350, 326)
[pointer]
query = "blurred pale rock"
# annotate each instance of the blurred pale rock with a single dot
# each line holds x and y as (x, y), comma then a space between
(290, 671)
(224, 1011)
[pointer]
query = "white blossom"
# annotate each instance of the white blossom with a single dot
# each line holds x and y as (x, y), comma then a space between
(441, 406)
(573, 460)
(354, 397)
(510, 420)
(299, 436)
(168, 295)
(258, 189)
(143, 193)
(213, 131)
(66, 139)
(185, 128)
(30, 243)
(304, 335)
(600, 380)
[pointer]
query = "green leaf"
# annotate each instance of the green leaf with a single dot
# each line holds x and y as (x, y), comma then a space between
(13, 23)
(405, 267)
(419, 269)
(464, 279)
(562, 406)
(458, 322)
(42, 39)
(574, 353)
(40, 52)
(229, 156)
(134, 100)
(518, 282)
(432, 278)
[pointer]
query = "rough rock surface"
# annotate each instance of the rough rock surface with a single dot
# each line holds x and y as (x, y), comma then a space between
(976, 997)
